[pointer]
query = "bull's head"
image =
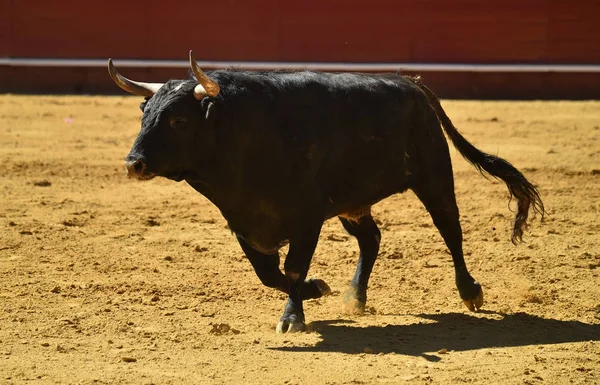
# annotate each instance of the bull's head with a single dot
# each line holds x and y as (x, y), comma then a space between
(175, 134)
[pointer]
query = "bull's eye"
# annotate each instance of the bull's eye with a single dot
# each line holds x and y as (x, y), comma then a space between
(177, 122)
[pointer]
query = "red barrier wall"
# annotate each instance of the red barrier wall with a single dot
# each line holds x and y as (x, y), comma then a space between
(431, 31)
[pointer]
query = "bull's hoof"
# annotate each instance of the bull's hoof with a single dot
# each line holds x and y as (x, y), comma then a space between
(470, 290)
(354, 307)
(290, 325)
(475, 303)
(323, 287)
(352, 304)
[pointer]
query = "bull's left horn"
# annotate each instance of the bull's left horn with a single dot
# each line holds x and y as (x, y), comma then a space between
(133, 87)
(207, 86)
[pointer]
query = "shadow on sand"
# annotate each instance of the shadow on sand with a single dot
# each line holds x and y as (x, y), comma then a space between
(452, 331)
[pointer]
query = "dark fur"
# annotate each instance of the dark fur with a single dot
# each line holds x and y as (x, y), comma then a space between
(280, 152)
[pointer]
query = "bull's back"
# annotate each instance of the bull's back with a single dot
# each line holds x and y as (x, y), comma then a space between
(345, 133)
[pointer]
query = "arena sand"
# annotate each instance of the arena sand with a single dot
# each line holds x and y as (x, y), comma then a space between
(111, 281)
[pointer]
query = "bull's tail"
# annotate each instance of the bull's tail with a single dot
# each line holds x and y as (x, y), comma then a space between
(519, 187)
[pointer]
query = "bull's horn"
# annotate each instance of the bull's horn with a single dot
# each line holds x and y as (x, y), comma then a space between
(133, 87)
(207, 86)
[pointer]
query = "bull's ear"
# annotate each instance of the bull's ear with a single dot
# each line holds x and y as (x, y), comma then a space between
(143, 104)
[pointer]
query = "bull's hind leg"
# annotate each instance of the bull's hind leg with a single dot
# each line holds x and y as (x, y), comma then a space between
(368, 236)
(436, 191)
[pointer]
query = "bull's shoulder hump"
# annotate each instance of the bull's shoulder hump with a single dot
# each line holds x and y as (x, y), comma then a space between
(300, 77)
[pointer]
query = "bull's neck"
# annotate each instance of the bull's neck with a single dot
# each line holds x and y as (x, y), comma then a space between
(220, 191)
(219, 178)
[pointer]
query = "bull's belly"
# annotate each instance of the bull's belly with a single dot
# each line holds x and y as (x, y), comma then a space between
(264, 244)
(356, 208)
(353, 199)
(264, 221)
(268, 234)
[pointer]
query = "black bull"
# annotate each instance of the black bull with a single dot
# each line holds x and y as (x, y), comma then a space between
(281, 152)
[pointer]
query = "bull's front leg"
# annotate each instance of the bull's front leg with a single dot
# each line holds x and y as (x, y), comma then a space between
(267, 270)
(297, 262)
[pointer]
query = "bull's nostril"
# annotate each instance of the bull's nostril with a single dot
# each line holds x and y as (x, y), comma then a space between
(139, 167)
(135, 167)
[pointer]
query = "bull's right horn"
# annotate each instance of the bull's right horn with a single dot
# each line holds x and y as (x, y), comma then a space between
(133, 87)
(207, 86)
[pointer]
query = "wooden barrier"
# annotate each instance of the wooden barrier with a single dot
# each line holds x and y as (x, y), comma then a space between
(412, 31)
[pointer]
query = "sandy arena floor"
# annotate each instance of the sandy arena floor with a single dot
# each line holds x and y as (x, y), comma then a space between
(111, 281)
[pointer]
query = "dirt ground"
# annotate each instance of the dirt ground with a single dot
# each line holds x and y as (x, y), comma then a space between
(112, 281)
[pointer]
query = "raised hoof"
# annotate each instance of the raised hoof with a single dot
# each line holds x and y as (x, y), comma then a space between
(475, 303)
(315, 288)
(290, 327)
(322, 286)
(352, 305)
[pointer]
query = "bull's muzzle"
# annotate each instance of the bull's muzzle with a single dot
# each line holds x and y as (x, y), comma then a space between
(137, 169)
